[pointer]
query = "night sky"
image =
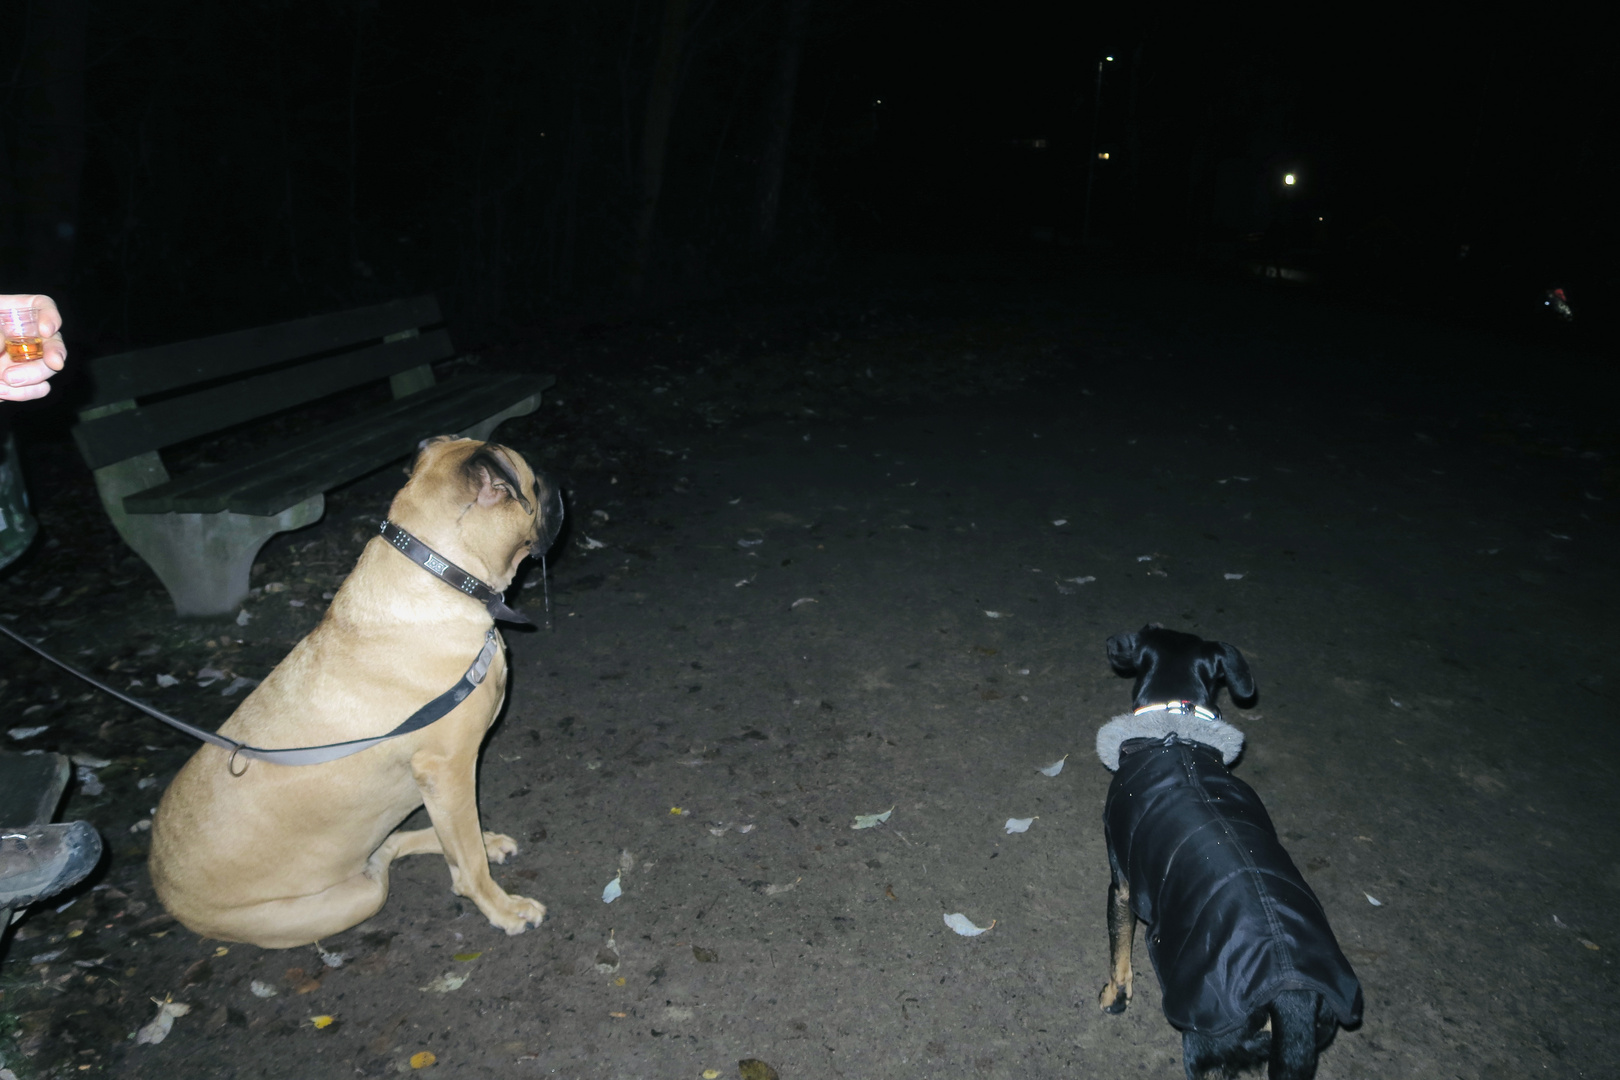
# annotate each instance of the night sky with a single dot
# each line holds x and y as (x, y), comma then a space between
(227, 164)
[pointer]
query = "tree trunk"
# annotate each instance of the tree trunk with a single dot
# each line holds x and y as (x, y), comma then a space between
(780, 123)
(655, 136)
(50, 143)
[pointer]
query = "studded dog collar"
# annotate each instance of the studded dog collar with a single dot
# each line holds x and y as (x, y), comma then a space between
(451, 574)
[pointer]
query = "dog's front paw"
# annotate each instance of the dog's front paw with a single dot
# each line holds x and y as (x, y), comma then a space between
(1113, 998)
(497, 846)
(515, 914)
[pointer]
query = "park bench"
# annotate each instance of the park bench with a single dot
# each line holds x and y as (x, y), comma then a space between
(200, 531)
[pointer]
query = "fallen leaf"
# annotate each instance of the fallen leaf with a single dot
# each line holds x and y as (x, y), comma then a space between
(1373, 900)
(321, 1022)
(1560, 923)
(331, 959)
(1589, 944)
(20, 733)
(158, 1030)
(704, 956)
(867, 821)
(1234, 577)
(888, 891)
(1054, 768)
(466, 956)
(676, 811)
(222, 950)
(710, 1074)
(614, 890)
(803, 600)
(754, 1069)
(749, 543)
(167, 681)
(262, 989)
(962, 925)
(998, 615)
(1019, 824)
(1060, 521)
(444, 983)
(592, 545)
(422, 1059)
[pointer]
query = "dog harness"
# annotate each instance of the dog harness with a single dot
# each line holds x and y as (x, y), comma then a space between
(1231, 921)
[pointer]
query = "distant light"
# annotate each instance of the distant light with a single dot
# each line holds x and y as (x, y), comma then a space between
(878, 102)
(1110, 59)
(1288, 178)
(1321, 219)
(1103, 156)
(1039, 144)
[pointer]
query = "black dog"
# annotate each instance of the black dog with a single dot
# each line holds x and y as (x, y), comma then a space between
(1238, 939)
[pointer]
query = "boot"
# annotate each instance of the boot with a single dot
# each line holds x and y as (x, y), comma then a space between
(42, 860)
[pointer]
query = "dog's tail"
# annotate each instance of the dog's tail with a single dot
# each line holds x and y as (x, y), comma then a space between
(1297, 1034)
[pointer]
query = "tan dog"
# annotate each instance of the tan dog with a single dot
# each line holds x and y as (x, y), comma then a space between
(283, 855)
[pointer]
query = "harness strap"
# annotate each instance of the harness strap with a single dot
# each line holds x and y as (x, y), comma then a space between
(301, 755)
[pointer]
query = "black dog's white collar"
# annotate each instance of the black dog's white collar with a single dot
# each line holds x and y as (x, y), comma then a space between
(1157, 721)
(1180, 707)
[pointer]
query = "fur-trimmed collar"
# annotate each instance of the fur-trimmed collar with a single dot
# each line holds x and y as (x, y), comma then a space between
(1156, 725)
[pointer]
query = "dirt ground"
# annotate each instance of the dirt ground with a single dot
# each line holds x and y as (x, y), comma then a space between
(833, 558)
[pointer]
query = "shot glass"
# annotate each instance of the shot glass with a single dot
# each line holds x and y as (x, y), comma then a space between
(24, 342)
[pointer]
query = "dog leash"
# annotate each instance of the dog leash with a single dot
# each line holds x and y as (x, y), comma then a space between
(298, 755)
(423, 556)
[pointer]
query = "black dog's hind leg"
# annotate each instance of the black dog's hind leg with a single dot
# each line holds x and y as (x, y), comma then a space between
(1121, 935)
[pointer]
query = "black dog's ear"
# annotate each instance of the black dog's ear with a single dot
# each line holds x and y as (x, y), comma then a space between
(1124, 653)
(1230, 665)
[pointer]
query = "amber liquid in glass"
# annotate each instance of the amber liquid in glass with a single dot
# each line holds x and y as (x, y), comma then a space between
(25, 350)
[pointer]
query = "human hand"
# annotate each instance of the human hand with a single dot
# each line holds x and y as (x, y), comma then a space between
(25, 382)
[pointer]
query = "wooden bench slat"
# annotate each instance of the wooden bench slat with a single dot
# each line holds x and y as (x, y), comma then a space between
(379, 447)
(154, 370)
(151, 427)
(291, 471)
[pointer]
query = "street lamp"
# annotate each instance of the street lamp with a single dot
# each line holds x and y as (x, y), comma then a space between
(1091, 162)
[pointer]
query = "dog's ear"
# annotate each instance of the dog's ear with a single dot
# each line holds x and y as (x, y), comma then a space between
(1230, 665)
(1125, 653)
(496, 479)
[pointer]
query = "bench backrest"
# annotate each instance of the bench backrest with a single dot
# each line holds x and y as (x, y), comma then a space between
(214, 383)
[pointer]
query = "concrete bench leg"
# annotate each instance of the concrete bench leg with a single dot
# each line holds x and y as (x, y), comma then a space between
(204, 560)
(486, 427)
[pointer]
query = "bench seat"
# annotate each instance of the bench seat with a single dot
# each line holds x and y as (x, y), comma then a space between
(280, 475)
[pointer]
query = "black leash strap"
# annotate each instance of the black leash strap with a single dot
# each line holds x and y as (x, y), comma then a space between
(451, 574)
(300, 755)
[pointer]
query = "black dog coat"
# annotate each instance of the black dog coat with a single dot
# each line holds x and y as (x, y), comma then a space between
(1231, 920)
